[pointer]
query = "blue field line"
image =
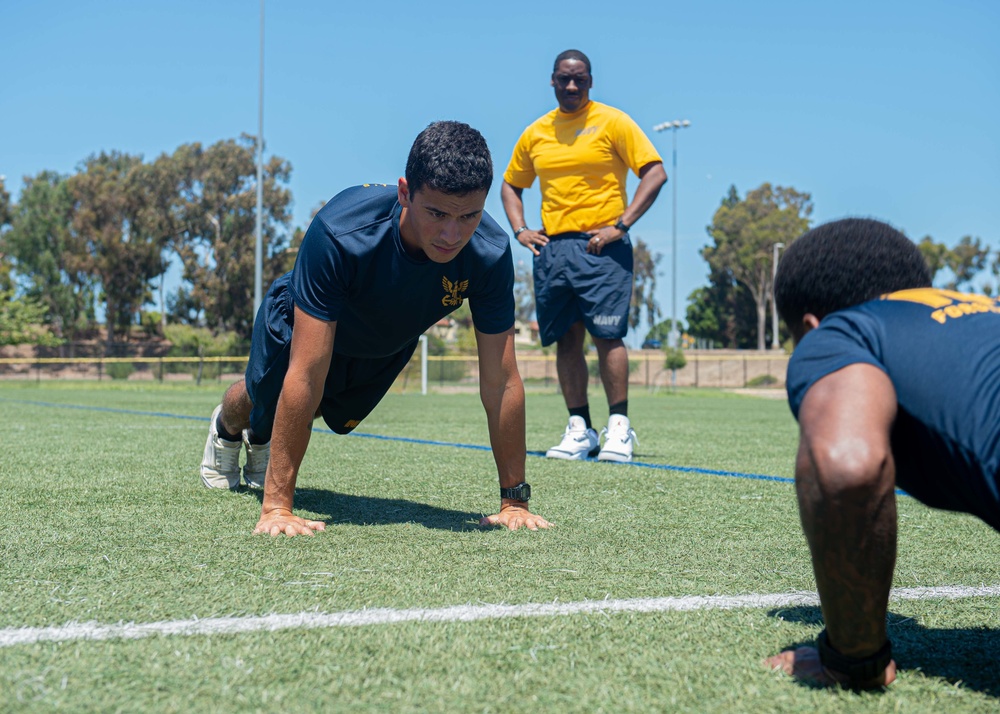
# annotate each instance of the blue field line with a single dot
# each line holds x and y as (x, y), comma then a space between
(425, 442)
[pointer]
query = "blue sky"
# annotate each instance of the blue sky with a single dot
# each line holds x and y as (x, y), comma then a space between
(883, 109)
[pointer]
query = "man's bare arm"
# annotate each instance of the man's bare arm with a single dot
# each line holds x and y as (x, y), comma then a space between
(301, 393)
(845, 481)
(513, 206)
(652, 176)
(502, 393)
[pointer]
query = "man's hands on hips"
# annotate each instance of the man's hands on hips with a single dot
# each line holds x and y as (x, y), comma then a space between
(281, 520)
(601, 237)
(803, 664)
(532, 240)
(514, 515)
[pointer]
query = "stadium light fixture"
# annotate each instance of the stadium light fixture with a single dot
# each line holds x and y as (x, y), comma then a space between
(774, 302)
(673, 337)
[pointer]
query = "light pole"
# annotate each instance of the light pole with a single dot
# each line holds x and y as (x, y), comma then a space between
(673, 337)
(258, 250)
(774, 302)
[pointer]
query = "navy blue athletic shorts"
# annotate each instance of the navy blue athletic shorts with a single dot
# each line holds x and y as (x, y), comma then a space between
(354, 385)
(573, 285)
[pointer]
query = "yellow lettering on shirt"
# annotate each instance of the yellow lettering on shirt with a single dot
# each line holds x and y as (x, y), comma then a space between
(948, 304)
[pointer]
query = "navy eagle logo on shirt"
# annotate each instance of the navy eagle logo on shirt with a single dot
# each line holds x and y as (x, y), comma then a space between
(454, 297)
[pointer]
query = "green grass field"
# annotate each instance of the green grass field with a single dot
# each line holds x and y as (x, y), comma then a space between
(105, 521)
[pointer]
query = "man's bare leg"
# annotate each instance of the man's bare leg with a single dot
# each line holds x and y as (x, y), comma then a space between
(571, 366)
(236, 408)
(613, 357)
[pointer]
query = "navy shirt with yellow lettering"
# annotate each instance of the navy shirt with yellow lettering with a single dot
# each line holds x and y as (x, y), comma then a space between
(352, 269)
(941, 349)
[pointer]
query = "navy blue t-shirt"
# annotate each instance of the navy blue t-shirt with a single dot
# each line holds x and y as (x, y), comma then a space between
(941, 349)
(352, 268)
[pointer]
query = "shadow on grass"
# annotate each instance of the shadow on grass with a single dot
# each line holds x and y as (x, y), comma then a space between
(345, 508)
(964, 657)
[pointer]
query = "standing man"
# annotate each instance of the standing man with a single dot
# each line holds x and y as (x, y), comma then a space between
(893, 383)
(377, 267)
(581, 153)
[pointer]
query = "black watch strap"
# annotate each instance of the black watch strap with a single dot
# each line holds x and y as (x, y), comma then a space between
(620, 225)
(521, 492)
(859, 670)
(519, 231)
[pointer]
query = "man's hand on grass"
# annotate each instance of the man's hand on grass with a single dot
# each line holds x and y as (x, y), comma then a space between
(279, 521)
(803, 664)
(513, 517)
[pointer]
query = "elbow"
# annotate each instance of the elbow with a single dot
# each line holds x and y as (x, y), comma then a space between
(846, 469)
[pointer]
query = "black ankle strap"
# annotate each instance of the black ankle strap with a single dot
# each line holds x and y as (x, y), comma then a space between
(859, 670)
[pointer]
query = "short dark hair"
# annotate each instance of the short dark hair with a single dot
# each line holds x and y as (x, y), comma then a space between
(571, 55)
(844, 263)
(450, 157)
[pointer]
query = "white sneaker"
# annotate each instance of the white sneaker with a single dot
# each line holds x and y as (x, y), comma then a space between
(619, 439)
(255, 468)
(220, 466)
(577, 443)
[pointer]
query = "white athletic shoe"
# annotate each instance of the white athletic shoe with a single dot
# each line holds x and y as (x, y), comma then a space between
(619, 439)
(220, 466)
(255, 468)
(577, 443)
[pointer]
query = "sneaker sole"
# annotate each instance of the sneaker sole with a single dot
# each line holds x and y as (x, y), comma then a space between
(567, 456)
(617, 458)
(219, 483)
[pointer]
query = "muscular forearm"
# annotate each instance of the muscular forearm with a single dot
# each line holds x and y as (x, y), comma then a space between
(850, 523)
(289, 440)
(513, 205)
(649, 187)
(505, 415)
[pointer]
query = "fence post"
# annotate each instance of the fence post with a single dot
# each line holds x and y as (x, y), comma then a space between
(744, 371)
(100, 369)
(696, 361)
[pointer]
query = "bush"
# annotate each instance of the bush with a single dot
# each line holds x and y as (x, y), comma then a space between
(195, 342)
(119, 370)
(150, 323)
(675, 358)
(763, 380)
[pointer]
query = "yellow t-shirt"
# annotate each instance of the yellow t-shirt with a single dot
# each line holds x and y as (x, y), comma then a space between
(581, 160)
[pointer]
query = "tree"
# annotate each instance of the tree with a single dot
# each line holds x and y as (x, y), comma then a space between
(524, 291)
(111, 216)
(934, 253)
(216, 210)
(744, 234)
(6, 283)
(990, 288)
(661, 331)
(50, 258)
(644, 268)
(965, 260)
(21, 322)
(723, 312)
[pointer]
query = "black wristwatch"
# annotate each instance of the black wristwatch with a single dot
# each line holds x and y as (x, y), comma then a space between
(620, 225)
(521, 492)
(519, 231)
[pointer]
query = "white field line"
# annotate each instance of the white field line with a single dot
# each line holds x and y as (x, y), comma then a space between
(12, 636)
